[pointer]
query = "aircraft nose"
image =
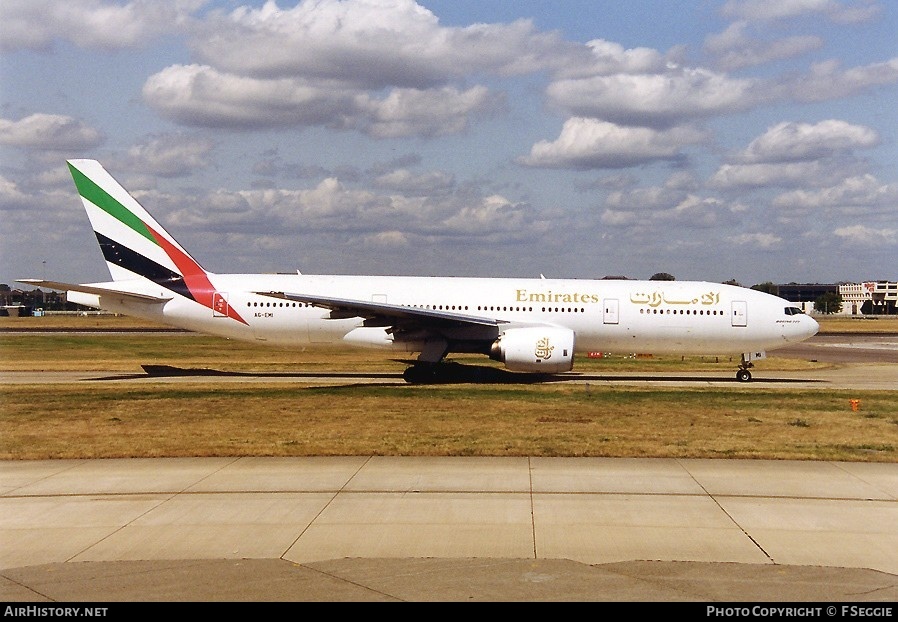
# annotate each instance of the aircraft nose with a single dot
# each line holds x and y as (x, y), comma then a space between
(805, 329)
(811, 326)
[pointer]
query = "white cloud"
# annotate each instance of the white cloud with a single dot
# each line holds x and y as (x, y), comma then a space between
(386, 68)
(10, 193)
(200, 95)
(657, 100)
(494, 214)
(828, 81)
(432, 112)
(791, 154)
(735, 50)
(369, 43)
(756, 240)
(607, 57)
(327, 207)
(681, 180)
(867, 236)
(36, 24)
(407, 182)
(589, 143)
(49, 131)
(171, 155)
(788, 174)
(380, 67)
(790, 141)
(331, 207)
(697, 212)
(860, 190)
(763, 10)
(652, 198)
(669, 207)
(387, 239)
(619, 218)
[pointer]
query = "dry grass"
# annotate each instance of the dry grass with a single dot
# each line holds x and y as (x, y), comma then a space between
(201, 419)
(879, 324)
(295, 418)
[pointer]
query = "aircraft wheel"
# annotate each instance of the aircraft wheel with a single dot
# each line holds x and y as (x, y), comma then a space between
(743, 375)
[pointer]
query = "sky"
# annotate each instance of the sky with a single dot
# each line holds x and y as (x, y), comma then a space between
(746, 140)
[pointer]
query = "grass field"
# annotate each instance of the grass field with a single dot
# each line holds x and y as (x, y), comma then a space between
(296, 418)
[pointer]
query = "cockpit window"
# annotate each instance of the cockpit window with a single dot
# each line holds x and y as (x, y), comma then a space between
(793, 311)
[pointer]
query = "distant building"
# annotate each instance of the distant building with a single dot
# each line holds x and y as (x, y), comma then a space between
(27, 300)
(14, 310)
(869, 298)
(854, 295)
(804, 294)
(866, 298)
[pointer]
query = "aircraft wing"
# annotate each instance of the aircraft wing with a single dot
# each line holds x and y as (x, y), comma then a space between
(97, 289)
(385, 314)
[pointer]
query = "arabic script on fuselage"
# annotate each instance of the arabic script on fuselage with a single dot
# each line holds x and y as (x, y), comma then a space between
(659, 297)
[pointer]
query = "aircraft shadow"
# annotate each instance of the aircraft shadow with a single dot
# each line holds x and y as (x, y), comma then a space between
(447, 373)
(171, 371)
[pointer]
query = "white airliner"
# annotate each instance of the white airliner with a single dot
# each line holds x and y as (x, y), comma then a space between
(531, 325)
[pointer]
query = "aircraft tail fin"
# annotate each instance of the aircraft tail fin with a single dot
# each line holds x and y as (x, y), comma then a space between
(133, 243)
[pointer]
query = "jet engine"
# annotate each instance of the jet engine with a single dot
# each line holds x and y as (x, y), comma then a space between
(535, 349)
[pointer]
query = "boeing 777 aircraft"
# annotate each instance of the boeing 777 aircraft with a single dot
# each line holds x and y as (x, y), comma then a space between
(531, 325)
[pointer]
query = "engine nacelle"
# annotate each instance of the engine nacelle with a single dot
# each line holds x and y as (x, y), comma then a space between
(535, 348)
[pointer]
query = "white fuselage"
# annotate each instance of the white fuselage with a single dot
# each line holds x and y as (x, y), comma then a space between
(605, 315)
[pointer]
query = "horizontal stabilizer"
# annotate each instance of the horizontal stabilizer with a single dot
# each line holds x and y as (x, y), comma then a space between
(96, 289)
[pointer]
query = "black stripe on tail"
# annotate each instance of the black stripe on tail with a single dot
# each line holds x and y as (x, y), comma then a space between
(128, 259)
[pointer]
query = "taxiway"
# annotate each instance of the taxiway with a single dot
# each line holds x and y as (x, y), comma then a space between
(447, 529)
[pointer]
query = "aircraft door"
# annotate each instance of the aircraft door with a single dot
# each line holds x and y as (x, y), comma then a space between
(610, 315)
(739, 316)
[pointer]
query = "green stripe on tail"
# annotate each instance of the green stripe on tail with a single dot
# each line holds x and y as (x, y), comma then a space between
(102, 199)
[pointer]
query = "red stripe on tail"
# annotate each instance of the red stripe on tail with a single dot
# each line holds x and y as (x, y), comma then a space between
(195, 277)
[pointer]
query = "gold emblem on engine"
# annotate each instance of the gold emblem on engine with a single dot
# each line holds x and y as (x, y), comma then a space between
(543, 349)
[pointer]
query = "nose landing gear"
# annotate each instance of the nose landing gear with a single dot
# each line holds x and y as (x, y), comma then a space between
(743, 375)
